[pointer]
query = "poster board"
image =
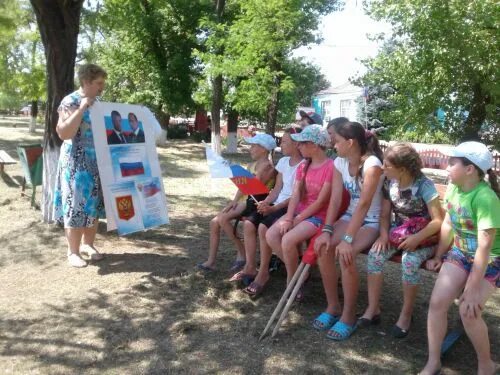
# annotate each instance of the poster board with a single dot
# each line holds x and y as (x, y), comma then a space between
(124, 138)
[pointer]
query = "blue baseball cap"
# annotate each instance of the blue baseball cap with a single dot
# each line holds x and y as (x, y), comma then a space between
(313, 133)
(264, 140)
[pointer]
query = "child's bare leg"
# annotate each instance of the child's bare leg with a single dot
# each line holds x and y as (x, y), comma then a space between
(228, 228)
(350, 275)
(273, 239)
(215, 227)
(476, 329)
(302, 232)
(449, 284)
(265, 257)
(250, 244)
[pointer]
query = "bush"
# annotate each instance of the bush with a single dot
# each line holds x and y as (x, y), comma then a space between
(177, 132)
(199, 136)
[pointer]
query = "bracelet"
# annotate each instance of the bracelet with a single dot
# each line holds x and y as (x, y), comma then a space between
(328, 226)
(327, 230)
(288, 220)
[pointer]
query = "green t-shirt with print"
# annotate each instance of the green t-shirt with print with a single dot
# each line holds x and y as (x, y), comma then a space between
(478, 209)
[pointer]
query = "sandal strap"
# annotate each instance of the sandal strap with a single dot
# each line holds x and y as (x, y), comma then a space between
(326, 320)
(341, 331)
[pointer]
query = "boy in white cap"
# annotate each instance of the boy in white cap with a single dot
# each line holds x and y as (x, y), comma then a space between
(471, 269)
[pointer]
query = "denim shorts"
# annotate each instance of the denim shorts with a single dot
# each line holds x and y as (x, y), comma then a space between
(314, 220)
(366, 223)
(464, 261)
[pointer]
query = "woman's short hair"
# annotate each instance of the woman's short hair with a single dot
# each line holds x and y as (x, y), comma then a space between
(90, 72)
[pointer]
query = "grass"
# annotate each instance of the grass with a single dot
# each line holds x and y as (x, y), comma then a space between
(145, 310)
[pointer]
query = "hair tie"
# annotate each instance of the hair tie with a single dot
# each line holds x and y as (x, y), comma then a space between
(368, 134)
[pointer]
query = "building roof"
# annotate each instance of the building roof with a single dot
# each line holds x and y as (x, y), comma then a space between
(344, 88)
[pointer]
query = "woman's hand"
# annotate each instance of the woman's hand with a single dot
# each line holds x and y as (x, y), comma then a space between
(86, 102)
(285, 226)
(382, 243)
(433, 264)
(410, 244)
(345, 253)
(322, 243)
(231, 206)
(470, 303)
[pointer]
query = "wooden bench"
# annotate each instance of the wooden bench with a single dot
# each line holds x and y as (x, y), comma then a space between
(31, 158)
(5, 159)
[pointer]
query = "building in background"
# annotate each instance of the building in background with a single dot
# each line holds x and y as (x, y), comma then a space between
(338, 101)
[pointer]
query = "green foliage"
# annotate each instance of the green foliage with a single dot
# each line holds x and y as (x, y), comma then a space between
(177, 132)
(147, 51)
(22, 62)
(444, 54)
(258, 38)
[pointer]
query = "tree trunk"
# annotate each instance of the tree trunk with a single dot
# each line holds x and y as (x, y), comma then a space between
(232, 132)
(477, 115)
(58, 22)
(216, 107)
(217, 93)
(272, 111)
(34, 115)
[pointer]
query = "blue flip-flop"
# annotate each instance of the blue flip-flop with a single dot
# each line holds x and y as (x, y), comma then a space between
(204, 268)
(341, 331)
(237, 265)
(325, 321)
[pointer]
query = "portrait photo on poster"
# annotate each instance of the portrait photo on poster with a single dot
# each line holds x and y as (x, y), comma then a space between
(120, 130)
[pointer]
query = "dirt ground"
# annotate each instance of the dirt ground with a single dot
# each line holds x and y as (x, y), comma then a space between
(144, 309)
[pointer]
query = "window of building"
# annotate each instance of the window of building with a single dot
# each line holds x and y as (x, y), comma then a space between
(345, 108)
(326, 109)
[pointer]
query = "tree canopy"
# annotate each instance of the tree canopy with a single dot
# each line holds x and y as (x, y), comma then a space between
(443, 56)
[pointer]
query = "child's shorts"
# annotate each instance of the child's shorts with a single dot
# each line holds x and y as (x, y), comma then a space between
(372, 223)
(250, 212)
(273, 217)
(458, 258)
(314, 220)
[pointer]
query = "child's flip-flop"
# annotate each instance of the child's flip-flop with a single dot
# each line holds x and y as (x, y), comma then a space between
(341, 331)
(204, 268)
(254, 289)
(237, 265)
(325, 321)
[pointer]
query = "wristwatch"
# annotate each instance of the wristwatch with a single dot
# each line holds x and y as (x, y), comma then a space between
(347, 238)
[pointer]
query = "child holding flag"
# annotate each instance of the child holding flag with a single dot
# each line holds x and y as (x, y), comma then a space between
(263, 169)
(471, 269)
(274, 207)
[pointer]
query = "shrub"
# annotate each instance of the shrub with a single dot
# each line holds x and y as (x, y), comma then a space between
(177, 132)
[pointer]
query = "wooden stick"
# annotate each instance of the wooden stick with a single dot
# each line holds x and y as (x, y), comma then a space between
(282, 301)
(291, 299)
(256, 201)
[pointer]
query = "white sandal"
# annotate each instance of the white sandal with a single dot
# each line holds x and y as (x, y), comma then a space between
(76, 261)
(91, 252)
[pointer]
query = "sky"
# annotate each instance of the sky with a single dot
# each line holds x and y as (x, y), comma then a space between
(345, 43)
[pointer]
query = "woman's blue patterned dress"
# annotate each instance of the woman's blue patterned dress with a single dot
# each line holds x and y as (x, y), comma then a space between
(78, 200)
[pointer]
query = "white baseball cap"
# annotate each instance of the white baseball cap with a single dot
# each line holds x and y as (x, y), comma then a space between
(264, 140)
(476, 152)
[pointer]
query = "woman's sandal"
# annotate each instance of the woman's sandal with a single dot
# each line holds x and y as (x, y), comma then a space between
(341, 331)
(365, 322)
(90, 252)
(325, 321)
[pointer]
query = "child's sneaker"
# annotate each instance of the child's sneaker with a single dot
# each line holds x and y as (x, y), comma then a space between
(76, 261)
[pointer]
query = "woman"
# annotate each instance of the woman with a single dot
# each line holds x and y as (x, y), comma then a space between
(78, 201)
